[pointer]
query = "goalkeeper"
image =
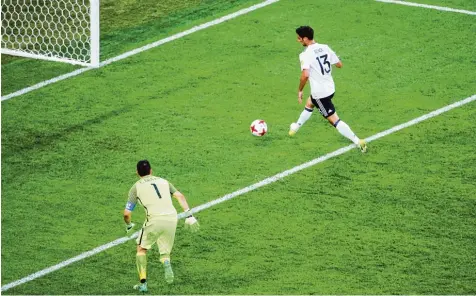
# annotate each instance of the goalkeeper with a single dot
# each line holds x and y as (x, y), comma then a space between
(155, 195)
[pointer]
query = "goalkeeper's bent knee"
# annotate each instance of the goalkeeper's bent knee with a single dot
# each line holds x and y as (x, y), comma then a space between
(164, 257)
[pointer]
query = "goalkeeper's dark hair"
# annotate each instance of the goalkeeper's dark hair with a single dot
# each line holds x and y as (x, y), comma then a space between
(143, 168)
(305, 31)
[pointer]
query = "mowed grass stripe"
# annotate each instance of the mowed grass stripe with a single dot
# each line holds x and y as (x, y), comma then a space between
(440, 8)
(140, 49)
(242, 191)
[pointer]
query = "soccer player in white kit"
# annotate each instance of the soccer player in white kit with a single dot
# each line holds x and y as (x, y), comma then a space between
(316, 66)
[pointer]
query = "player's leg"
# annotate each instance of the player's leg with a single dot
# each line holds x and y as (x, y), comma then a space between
(305, 115)
(141, 263)
(327, 109)
(345, 130)
(147, 237)
(165, 243)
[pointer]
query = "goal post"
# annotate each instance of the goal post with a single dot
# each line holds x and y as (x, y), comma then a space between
(56, 30)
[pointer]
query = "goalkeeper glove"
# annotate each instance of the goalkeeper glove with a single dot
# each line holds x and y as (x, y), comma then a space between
(192, 224)
(129, 227)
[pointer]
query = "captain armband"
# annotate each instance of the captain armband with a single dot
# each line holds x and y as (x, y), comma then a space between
(130, 206)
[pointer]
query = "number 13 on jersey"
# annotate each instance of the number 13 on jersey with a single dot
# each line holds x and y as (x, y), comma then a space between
(324, 64)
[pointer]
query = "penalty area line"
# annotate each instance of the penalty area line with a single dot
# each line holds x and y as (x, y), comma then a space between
(440, 8)
(140, 49)
(242, 191)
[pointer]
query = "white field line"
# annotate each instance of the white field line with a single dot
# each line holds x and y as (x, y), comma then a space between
(141, 49)
(242, 191)
(441, 8)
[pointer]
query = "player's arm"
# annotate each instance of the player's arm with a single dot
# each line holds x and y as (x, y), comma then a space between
(303, 80)
(130, 205)
(127, 216)
(334, 59)
(182, 200)
(190, 220)
(305, 66)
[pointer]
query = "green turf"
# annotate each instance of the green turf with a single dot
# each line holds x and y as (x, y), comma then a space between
(390, 222)
(395, 221)
(456, 4)
(125, 25)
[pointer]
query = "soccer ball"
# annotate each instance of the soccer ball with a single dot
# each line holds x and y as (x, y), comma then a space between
(258, 128)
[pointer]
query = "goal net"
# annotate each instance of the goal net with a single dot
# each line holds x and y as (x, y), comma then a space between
(57, 30)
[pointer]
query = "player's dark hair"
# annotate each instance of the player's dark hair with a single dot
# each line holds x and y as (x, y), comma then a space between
(305, 31)
(143, 168)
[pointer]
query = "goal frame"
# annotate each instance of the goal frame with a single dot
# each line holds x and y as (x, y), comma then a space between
(94, 27)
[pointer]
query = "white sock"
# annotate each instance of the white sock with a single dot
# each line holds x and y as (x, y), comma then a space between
(345, 130)
(305, 115)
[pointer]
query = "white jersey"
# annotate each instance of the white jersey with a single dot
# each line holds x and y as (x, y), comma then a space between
(318, 58)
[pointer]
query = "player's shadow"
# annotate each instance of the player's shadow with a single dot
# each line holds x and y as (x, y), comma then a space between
(42, 139)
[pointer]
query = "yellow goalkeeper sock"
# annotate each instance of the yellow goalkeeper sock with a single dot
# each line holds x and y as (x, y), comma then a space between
(141, 263)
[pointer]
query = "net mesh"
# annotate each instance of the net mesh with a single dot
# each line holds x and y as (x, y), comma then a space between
(51, 28)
